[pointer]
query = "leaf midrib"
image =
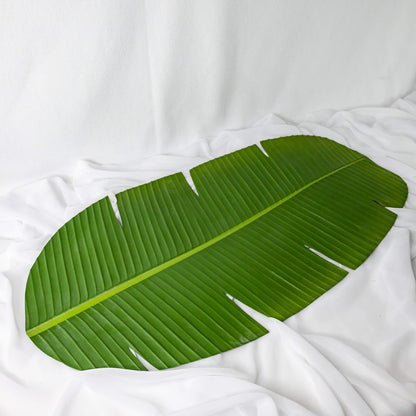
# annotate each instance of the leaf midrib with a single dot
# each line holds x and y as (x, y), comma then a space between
(151, 272)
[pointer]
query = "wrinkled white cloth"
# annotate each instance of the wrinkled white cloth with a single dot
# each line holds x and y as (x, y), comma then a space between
(351, 352)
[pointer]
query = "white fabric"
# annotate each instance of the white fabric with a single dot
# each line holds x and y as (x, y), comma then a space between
(117, 80)
(352, 352)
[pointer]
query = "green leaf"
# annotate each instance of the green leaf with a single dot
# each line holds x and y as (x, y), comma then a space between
(156, 286)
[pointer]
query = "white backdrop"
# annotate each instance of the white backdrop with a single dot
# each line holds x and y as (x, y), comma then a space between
(116, 80)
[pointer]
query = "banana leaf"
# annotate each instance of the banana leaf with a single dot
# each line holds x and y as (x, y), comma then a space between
(155, 286)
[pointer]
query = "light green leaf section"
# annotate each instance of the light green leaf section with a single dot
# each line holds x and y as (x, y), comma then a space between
(157, 284)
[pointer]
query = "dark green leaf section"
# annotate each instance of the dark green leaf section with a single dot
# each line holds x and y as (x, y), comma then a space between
(157, 284)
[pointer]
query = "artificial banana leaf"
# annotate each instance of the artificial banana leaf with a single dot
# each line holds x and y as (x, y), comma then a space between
(101, 293)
